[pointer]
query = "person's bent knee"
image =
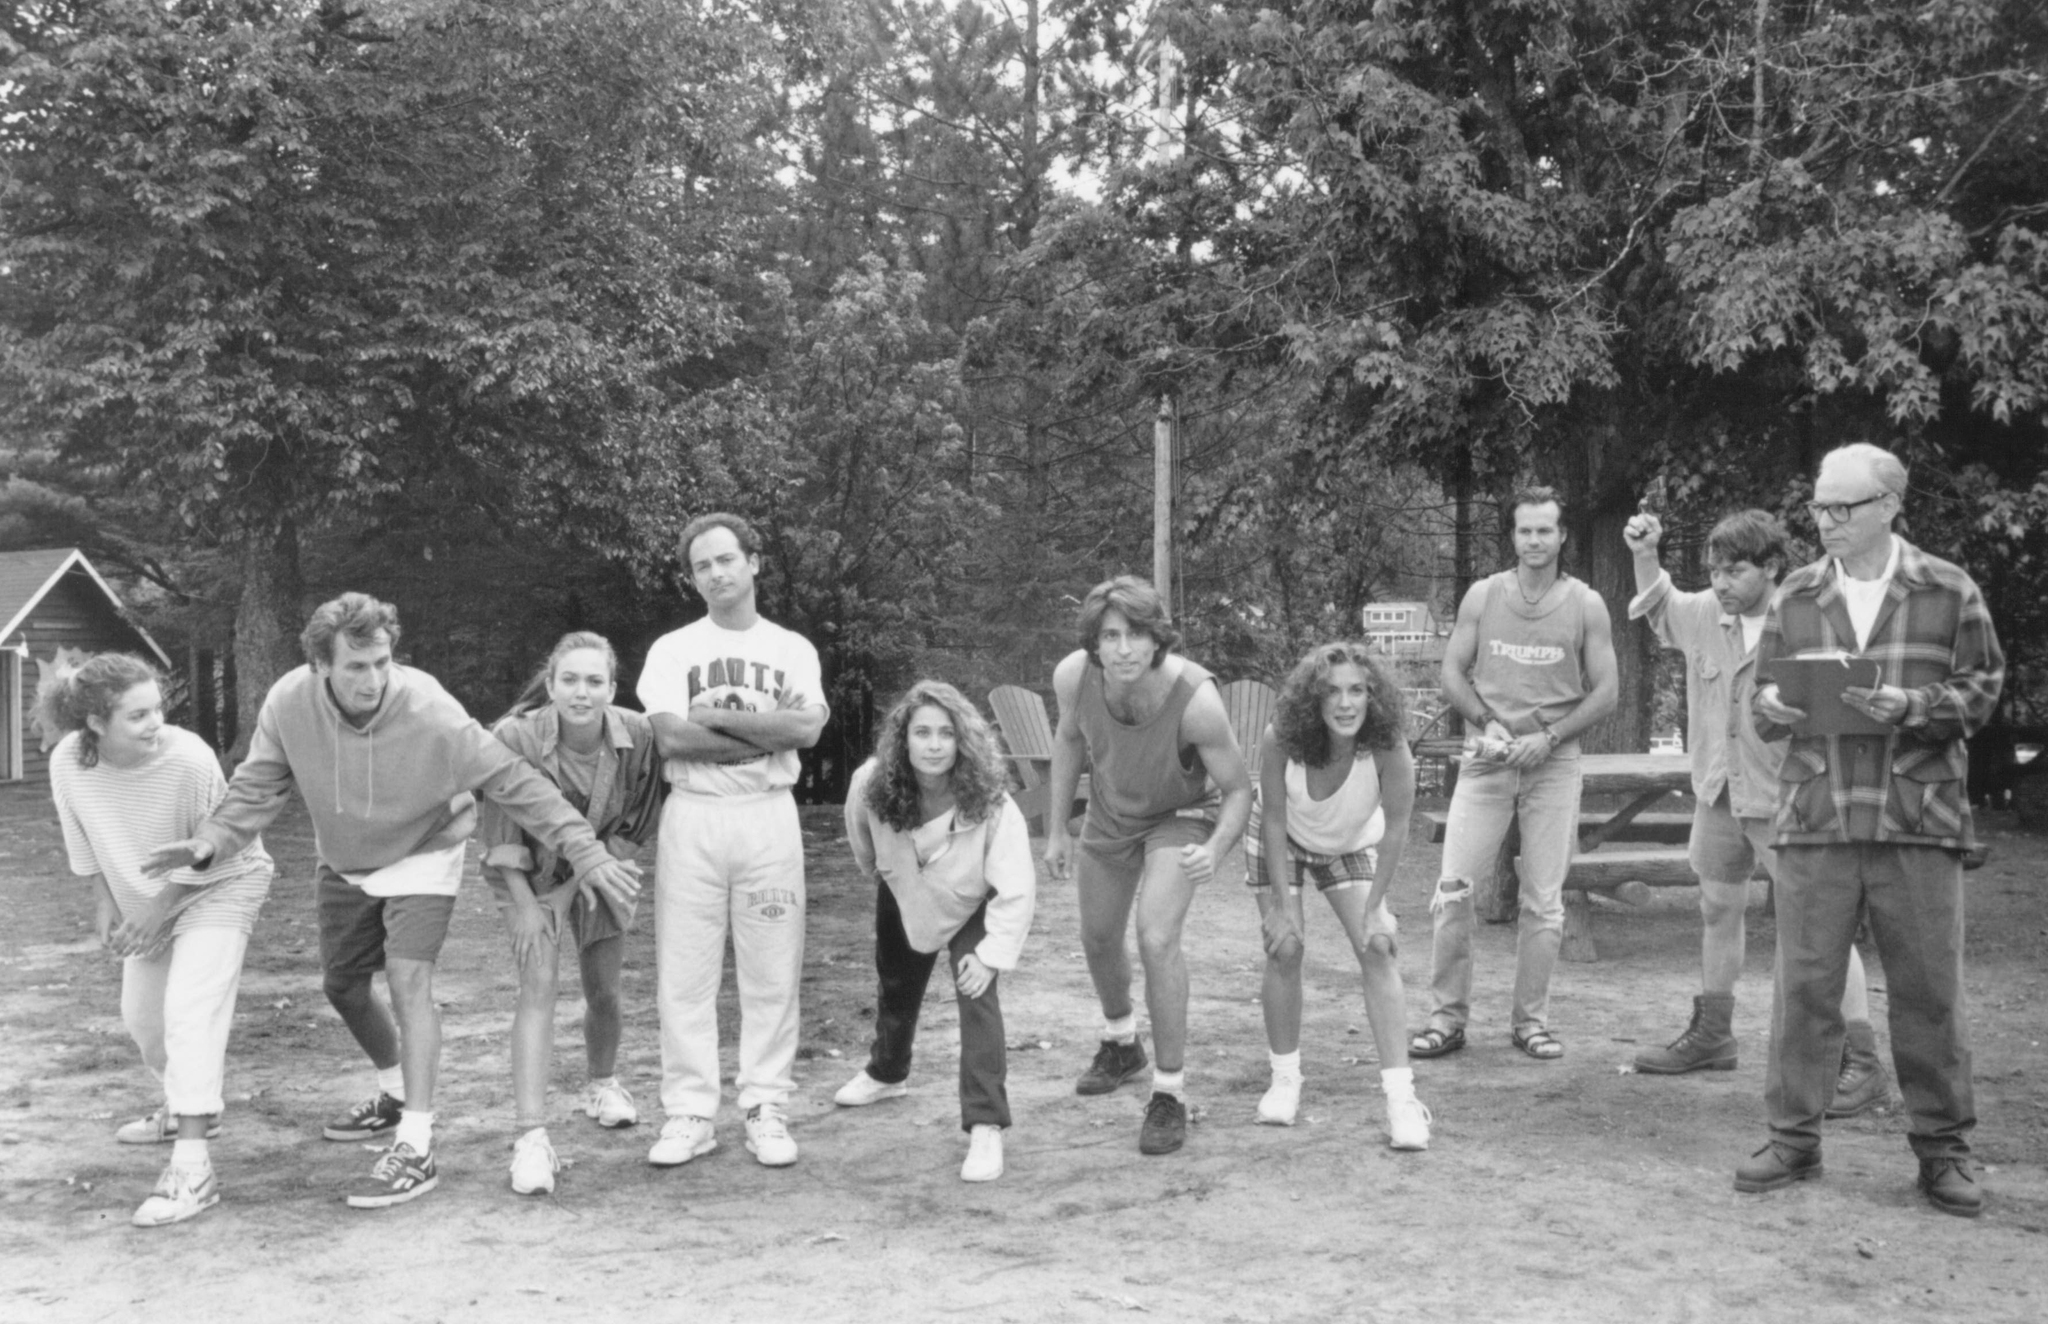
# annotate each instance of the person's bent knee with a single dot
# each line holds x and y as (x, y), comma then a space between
(346, 988)
(1286, 962)
(1720, 902)
(1378, 953)
(410, 980)
(1158, 948)
(600, 1004)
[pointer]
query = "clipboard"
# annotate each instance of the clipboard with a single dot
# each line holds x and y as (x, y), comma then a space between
(1814, 682)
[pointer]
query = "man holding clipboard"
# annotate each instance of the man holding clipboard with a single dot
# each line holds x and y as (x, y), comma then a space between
(1874, 818)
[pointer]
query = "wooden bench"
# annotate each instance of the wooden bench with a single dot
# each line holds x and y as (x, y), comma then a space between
(1027, 735)
(1664, 829)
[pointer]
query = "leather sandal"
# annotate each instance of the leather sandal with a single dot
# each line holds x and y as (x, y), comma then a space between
(1539, 1043)
(1434, 1042)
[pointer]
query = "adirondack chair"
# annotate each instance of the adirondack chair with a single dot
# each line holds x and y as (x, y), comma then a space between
(1250, 705)
(1027, 733)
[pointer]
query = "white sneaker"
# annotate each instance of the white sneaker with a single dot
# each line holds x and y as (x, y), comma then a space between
(1407, 1122)
(610, 1104)
(1282, 1100)
(682, 1139)
(768, 1136)
(179, 1195)
(534, 1163)
(984, 1154)
(864, 1089)
(159, 1128)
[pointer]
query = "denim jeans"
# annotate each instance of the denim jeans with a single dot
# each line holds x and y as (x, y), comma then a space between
(1545, 801)
(901, 975)
(1914, 898)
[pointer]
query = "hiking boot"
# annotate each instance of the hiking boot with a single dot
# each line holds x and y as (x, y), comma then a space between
(1166, 1125)
(371, 1117)
(1951, 1187)
(1775, 1166)
(1706, 1045)
(1863, 1085)
(1114, 1064)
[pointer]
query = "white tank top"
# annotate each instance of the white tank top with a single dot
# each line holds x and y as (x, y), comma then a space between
(1350, 820)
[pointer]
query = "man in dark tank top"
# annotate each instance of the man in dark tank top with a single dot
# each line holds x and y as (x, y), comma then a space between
(1530, 664)
(1168, 798)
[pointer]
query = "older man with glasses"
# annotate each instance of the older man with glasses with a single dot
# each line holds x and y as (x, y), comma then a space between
(1875, 825)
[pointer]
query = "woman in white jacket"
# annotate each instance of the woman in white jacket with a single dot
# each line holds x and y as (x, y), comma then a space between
(930, 818)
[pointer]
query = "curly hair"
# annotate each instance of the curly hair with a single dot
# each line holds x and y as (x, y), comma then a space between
(1142, 609)
(67, 698)
(1298, 715)
(979, 779)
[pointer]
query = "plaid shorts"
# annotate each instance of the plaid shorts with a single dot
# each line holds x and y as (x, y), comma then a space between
(1330, 873)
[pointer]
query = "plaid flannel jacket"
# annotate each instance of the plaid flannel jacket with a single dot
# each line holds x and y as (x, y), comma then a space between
(1933, 638)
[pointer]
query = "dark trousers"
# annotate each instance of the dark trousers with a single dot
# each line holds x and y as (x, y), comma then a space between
(902, 973)
(1913, 896)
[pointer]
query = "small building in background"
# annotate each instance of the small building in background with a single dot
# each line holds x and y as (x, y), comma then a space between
(52, 600)
(1405, 630)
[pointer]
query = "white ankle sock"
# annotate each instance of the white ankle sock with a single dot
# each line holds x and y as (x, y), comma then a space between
(1287, 1064)
(1396, 1081)
(1169, 1082)
(391, 1080)
(190, 1155)
(1123, 1030)
(415, 1128)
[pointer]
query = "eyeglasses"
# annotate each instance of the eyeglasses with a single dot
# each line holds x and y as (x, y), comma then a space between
(1838, 512)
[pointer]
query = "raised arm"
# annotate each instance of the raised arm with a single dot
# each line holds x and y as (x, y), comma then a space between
(1205, 724)
(1069, 751)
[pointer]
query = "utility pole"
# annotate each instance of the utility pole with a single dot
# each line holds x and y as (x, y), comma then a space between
(1166, 142)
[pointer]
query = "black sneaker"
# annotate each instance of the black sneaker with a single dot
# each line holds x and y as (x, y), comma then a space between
(400, 1175)
(371, 1117)
(1166, 1125)
(1114, 1064)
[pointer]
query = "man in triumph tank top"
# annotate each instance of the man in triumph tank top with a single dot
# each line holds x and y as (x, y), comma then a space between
(1531, 664)
(1168, 798)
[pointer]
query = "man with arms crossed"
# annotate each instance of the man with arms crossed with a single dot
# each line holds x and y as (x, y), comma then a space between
(389, 767)
(1734, 785)
(733, 697)
(1530, 663)
(1875, 825)
(1155, 733)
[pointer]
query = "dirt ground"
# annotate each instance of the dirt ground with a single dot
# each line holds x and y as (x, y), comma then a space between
(1567, 1191)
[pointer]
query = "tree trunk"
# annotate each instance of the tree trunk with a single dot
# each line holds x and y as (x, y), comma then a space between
(1608, 567)
(267, 622)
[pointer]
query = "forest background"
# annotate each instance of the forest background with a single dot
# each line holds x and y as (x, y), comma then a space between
(474, 304)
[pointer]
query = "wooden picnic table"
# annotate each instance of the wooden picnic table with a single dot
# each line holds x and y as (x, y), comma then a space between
(1644, 779)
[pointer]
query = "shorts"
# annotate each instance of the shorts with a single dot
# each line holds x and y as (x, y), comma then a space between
(1186, 827)
(1331, 873)
(592, 919)
(359, 931)
(1727, 849)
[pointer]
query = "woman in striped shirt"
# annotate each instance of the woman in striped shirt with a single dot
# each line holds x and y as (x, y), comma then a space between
(125, 780)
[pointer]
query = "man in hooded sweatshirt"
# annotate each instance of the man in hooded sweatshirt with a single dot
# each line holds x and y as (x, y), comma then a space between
(390, 767)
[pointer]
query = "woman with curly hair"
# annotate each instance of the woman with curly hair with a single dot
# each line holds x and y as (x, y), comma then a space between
(1336, 786)
(124, 780)
(930, 818)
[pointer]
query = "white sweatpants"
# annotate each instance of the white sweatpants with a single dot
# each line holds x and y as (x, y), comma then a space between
(722, 861)
(179, 1006)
